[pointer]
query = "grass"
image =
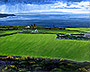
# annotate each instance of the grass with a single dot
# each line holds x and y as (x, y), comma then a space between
(44, 45)
(8, 32)
(80, 29)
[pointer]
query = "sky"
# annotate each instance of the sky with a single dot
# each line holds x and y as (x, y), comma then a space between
(45, 6)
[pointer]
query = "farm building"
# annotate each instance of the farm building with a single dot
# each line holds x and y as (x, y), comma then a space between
(36, 30)
(27, 27)
(87, 35)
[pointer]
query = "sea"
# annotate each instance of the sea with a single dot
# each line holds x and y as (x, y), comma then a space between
(58, 20)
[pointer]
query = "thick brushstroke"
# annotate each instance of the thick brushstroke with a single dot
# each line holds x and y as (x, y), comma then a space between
(27, 6)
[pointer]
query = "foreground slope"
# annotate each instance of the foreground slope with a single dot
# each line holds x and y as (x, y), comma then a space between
(44, 45)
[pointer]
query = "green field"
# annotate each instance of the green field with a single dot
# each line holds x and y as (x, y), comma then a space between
(9, 31)
(80, 29)
(44, 45)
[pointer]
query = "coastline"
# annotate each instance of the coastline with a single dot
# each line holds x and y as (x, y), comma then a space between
(6, 15)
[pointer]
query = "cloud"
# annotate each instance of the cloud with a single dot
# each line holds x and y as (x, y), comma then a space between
(64, 7)
(78, 5)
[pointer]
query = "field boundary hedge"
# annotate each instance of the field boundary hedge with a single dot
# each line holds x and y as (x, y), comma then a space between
(8, 34)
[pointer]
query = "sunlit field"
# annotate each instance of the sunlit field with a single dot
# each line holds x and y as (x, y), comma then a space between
(9, 32)
(44, 45)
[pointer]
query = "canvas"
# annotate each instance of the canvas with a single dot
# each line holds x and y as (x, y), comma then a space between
(44, 36)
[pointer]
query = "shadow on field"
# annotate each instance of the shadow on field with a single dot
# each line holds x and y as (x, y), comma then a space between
(33, 64)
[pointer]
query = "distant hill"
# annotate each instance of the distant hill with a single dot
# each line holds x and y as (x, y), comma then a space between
(5, 15)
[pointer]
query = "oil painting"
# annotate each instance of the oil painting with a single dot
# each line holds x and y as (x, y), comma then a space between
(44, 36)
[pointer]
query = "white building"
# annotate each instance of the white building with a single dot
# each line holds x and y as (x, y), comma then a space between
(87, 35)
(36, 30)
(32, 31)
(27, 27)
